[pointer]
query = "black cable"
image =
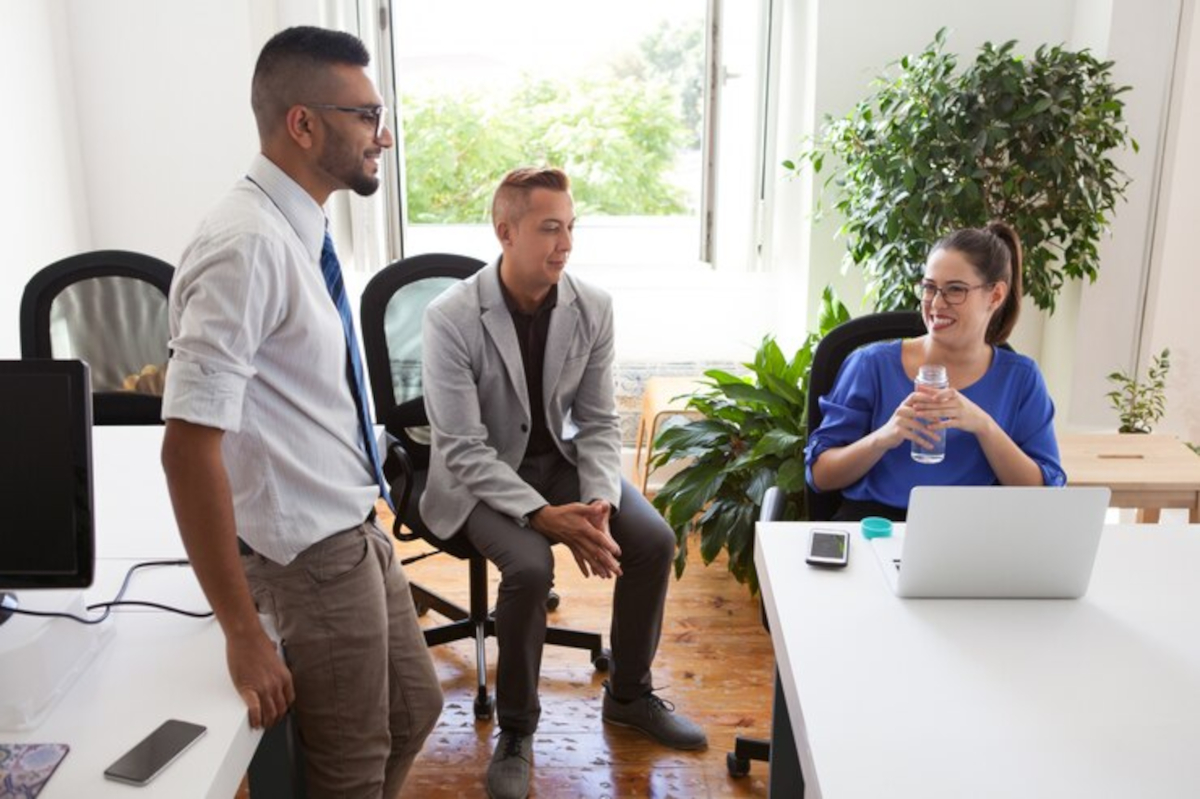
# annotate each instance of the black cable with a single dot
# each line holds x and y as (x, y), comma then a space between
(119, 602)
(143, 604)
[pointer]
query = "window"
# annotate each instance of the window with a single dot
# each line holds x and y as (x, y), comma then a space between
(662, 148)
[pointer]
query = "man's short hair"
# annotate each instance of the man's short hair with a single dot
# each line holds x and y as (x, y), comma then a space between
(293, 68)
(511, 199)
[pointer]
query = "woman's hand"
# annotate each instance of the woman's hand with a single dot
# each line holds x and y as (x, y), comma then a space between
(947, 407)
(906, 424)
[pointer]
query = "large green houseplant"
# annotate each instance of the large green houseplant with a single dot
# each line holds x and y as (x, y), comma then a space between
(932, 149)
(751, 436)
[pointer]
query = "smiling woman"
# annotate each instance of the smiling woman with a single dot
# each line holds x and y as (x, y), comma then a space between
(995, 417)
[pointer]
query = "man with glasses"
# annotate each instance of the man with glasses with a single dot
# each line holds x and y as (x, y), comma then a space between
(269, 451)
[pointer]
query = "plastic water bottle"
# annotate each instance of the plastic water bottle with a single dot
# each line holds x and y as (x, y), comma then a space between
(933, 376)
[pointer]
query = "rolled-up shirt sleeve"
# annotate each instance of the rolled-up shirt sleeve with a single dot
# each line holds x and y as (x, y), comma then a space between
(224, 302)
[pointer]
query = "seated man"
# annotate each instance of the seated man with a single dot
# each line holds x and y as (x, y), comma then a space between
(527, 454)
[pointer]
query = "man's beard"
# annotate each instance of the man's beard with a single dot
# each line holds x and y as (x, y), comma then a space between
(349, 169)
(363, 184)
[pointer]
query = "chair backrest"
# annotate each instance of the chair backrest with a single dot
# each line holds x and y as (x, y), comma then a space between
(773, 504)
(831, 352)
(109, 308)
(393, 306)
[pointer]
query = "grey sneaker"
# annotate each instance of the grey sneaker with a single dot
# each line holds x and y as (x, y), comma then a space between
(508, 774)
(656, 717)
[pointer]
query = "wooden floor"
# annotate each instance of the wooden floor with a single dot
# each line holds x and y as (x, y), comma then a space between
(714, 663)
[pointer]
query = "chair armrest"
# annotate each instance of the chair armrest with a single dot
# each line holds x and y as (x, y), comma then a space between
(405, 484)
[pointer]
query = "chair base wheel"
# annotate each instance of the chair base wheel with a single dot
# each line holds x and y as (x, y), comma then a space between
(421, 608)
(602, 660)
(738, 767)
(552, 601)
(485, 707)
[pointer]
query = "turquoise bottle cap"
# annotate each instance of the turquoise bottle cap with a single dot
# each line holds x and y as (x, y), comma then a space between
(876, 527)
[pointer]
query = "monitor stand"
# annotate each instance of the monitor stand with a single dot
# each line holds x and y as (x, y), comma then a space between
(41, 658)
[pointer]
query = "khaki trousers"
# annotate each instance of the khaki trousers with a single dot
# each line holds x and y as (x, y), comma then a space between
(367, 694)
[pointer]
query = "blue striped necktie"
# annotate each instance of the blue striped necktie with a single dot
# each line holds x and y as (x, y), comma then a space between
(331, 270)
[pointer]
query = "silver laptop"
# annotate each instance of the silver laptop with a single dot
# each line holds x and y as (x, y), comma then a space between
(999, 542)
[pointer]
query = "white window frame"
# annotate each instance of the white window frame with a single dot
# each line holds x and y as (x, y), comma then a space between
(386, 222)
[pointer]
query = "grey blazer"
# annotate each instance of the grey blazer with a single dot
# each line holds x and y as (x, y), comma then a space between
(478, 404)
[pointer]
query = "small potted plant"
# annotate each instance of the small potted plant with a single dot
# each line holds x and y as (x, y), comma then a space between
(1141, 404)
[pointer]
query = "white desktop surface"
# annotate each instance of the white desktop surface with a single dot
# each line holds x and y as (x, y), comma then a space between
(157, 666)
(941, 699)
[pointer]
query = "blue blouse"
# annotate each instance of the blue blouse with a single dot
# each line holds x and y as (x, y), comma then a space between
(872, 384)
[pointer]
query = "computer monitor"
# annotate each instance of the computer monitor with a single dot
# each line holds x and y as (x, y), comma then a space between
(46, 518)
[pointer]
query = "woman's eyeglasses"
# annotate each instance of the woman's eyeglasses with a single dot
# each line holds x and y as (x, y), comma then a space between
(954, 294)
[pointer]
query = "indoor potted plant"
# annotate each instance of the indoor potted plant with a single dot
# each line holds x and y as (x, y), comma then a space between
(1025, 139)
(751, 436)
(1139, 405)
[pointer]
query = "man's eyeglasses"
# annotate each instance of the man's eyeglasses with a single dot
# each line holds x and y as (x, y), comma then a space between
(954, 294)
(373, 115)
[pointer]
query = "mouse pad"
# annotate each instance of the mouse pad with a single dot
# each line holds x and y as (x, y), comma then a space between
(26, 768)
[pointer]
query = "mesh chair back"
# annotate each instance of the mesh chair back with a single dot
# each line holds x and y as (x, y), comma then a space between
(108, 308)
(831, 352)
(393, 306)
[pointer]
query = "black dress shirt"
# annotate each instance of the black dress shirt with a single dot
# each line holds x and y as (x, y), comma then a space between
(532, 331)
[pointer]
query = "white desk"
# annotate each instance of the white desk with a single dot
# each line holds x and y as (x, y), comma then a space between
(944, 699)
(157, 665)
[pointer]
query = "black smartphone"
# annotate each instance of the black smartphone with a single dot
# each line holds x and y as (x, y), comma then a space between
(155, 752)
(828, 548)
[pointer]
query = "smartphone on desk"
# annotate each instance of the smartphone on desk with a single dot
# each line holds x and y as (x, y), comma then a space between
(828, 548)
(155, 752)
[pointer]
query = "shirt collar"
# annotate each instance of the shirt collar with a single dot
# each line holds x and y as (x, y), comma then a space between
(548, 302)
(298, 207)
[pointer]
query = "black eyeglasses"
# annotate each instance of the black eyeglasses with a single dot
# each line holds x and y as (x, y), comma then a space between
(374, 115)
(954, 294)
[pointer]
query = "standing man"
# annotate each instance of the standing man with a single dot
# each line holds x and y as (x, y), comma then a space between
(268, 449)
(527, 454)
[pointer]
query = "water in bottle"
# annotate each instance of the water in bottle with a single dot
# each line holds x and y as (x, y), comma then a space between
(934, 376)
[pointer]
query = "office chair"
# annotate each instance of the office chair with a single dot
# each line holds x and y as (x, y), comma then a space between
(393, 305)
(108, 308)
(831, 352)
(746, 749)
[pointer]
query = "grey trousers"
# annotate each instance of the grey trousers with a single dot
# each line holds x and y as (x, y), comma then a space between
(367, 694)
(526, 567)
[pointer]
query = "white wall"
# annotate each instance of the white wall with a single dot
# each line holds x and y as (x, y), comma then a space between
(163, 92)
(43, 215)
(1105, 335)
(1173, 318)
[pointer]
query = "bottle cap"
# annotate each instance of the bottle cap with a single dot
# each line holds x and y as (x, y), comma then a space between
(876, 527)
